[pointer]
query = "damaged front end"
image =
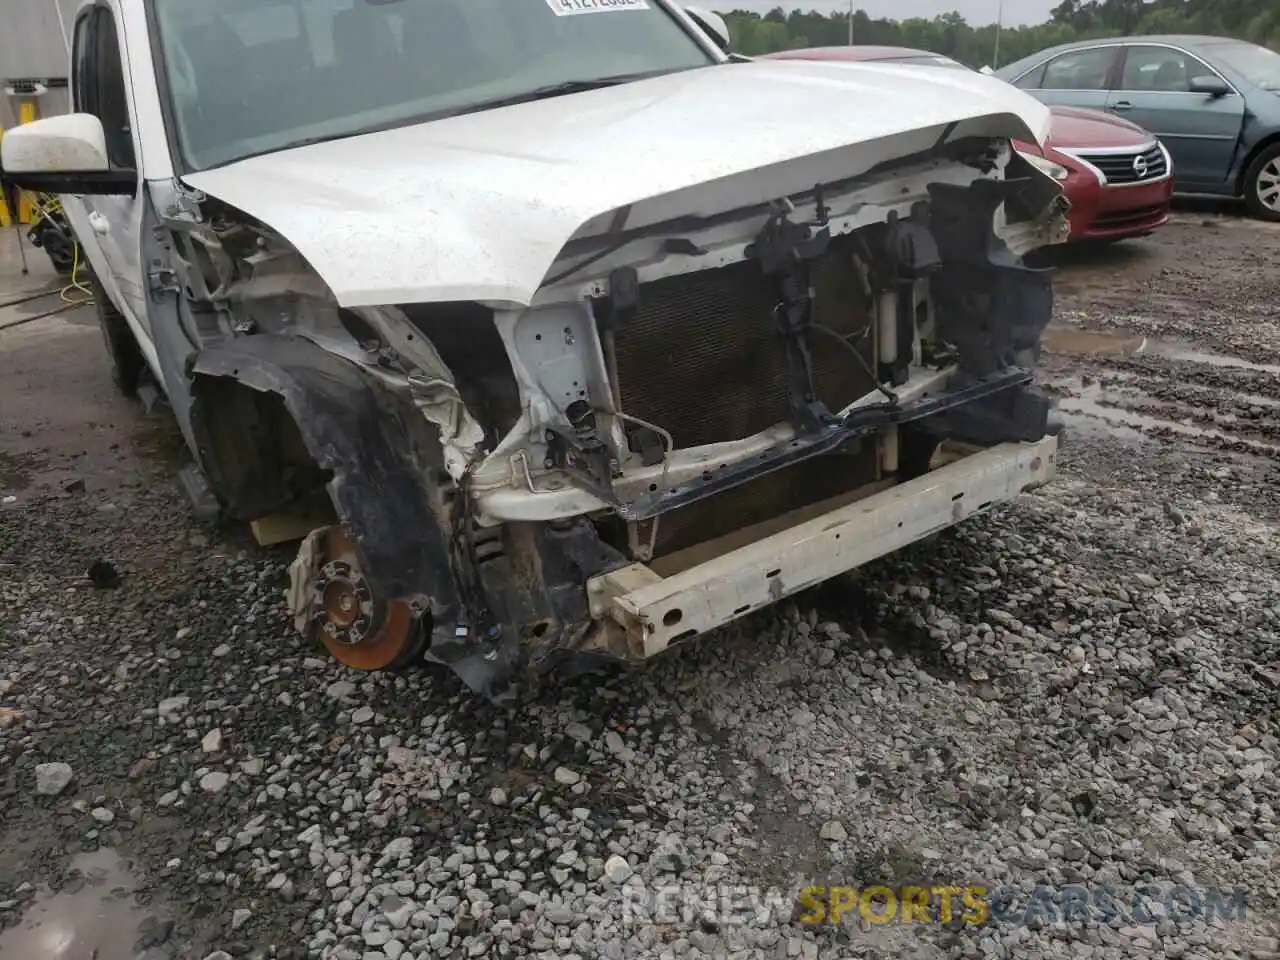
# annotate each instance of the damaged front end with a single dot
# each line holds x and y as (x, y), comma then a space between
(694, 416)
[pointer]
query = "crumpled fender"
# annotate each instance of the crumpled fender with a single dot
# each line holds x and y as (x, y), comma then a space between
(379, 493)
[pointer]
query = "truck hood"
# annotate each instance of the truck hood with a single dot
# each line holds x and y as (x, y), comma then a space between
(479, 206)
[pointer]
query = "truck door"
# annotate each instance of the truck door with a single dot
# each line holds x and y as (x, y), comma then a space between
(109, 227)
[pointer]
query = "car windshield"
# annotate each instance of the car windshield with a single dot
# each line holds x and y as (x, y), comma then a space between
(1258, 65)
(246, 77)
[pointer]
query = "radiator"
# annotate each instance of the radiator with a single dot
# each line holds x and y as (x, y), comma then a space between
(702, 358)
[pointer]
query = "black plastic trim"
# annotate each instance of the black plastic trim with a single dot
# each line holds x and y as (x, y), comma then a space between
(95, 183)
(378, 493)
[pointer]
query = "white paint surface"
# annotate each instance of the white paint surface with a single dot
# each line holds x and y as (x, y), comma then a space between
(478, 207)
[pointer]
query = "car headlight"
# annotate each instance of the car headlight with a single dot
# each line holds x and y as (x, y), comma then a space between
(1055, 170)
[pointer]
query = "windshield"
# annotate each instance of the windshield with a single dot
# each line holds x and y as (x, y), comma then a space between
(1258, 65)
(252, 76)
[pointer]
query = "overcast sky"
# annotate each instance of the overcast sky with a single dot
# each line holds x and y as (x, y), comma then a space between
(977, 12)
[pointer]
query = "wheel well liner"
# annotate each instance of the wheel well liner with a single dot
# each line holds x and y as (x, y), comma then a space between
(353, 432)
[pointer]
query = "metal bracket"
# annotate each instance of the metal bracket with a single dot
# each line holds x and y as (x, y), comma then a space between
(162, 280)
(622, 302)
(178, 202)
(582, 450)
(909, 253)
(784, 250)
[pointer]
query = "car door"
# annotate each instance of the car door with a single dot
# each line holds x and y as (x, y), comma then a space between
(1199, 130)
(109, 227)
(1077, 78)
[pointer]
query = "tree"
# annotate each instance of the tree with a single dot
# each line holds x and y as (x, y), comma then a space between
(1121, 16)
(950, 35)
(1070, 13)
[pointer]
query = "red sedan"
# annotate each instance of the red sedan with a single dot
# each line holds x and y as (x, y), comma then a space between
(1117, 176)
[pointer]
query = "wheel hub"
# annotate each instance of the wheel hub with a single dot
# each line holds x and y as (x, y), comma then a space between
(343, 604)
(356, 627)
(1269, 185)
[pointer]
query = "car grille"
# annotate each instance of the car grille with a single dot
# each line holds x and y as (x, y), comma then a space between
(1140, 166)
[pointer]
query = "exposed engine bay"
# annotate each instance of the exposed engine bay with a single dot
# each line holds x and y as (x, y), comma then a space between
(509, 481)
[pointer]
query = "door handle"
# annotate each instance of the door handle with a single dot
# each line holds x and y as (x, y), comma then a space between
(1122, 106)
(101, 226)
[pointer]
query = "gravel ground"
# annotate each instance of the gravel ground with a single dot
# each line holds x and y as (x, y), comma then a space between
(1079, 689)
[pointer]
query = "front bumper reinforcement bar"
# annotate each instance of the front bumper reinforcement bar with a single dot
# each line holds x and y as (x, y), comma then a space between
(657, 611)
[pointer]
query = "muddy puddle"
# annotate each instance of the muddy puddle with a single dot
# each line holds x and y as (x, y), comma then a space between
(1119, 408)
(1118, 345)
(94, 917)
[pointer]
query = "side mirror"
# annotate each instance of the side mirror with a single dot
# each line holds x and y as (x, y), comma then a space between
(712, 25)
(1209, 85)
(65, 154)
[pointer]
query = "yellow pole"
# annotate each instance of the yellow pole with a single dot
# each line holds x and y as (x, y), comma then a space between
(5, 218)
(26, 113)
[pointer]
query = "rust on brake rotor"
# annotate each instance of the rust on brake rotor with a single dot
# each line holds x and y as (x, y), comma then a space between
(358, 630)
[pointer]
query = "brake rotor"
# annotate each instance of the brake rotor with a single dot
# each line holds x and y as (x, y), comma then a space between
(357, 628)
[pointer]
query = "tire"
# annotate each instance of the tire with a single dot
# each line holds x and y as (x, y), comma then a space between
(127, 362)
(54, 243)
(1262, 185)
(62, 264)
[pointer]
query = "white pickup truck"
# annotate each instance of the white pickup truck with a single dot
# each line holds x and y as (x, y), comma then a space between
(596, 336)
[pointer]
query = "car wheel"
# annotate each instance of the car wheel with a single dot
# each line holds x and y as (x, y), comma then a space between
(1262, 184)
(63, 263)
(127, 363)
